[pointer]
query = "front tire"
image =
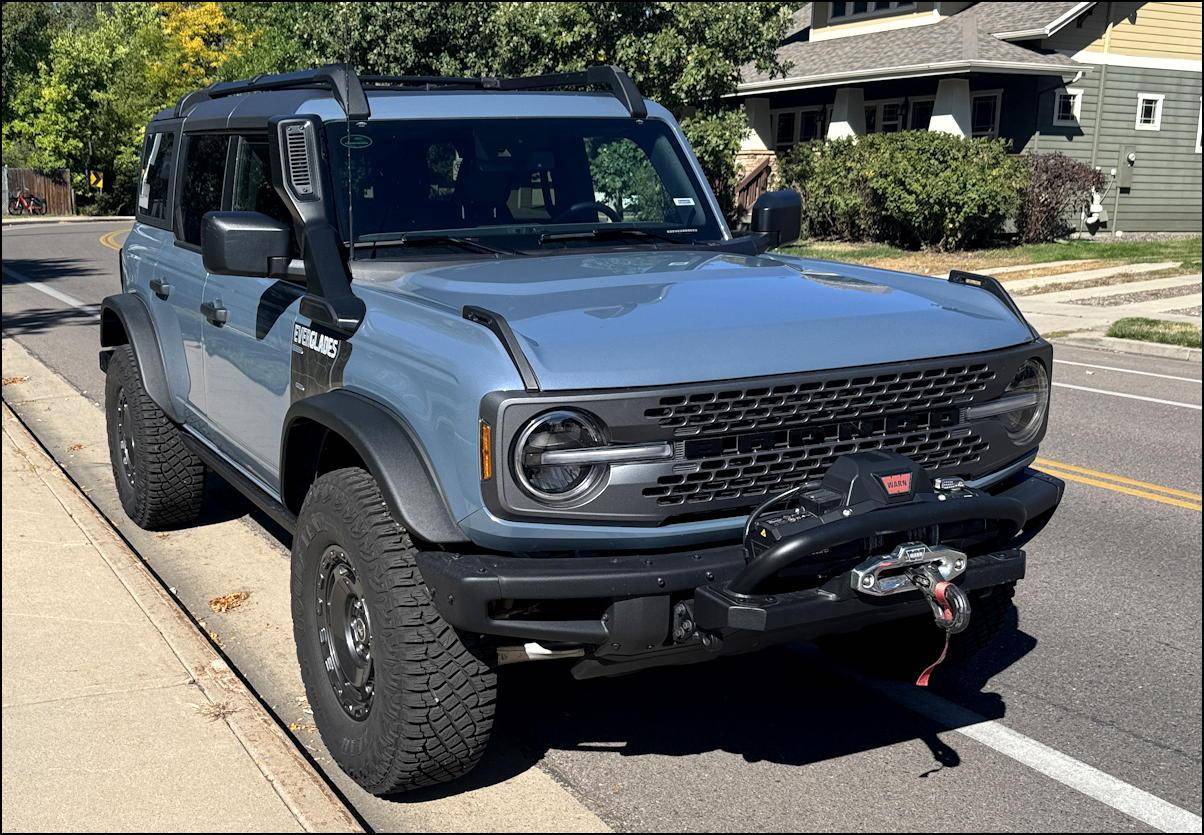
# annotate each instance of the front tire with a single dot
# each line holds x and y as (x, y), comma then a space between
(400, 698)
(161, 483)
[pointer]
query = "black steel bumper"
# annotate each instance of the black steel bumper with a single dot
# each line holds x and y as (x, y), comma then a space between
(623, 606)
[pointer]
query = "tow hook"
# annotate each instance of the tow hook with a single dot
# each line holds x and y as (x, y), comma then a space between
(950, 609)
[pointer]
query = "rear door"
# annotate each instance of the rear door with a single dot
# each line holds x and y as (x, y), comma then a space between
(170, 288)
(248, 359)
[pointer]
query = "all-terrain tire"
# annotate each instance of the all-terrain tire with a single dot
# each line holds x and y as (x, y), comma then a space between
(433, 693)
(161, 483)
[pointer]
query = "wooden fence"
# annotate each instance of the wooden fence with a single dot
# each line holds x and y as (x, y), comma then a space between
(54, 188)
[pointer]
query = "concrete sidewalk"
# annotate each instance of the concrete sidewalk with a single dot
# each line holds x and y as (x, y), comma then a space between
(117, 713)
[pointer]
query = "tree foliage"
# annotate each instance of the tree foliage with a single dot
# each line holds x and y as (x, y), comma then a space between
(81, 82)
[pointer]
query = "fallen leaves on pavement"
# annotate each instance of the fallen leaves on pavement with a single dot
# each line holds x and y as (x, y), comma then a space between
(12, 381)
(215, 710)
(229, 602)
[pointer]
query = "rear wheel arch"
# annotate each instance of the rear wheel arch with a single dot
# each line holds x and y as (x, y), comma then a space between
(124, 320)
(340, 429)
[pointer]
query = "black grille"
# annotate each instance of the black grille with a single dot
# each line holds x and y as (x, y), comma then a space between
(819, 401)
(767, 471)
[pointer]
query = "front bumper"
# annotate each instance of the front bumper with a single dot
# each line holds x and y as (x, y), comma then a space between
(624, 608)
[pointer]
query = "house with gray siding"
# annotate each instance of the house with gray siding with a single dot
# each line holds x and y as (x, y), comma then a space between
(1114, 85)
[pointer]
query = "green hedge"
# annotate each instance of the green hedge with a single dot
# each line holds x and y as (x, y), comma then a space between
(912, 189)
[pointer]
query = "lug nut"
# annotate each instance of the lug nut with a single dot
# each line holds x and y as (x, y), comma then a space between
(868, 581)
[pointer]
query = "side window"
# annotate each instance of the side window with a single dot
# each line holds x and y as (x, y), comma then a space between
(252, 183)
(201, 183)
(154, 190)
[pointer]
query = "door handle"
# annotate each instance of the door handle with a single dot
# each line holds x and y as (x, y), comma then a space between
(214, 312)
(160, 287)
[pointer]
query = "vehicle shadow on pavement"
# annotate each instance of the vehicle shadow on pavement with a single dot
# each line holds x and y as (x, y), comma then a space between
(762, 707)
(47, 270)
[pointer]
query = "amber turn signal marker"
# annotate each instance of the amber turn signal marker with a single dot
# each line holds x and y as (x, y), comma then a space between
(486, 451)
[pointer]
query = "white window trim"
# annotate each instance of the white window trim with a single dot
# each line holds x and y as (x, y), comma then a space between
(982, 94)
(798, 122)
(1158, 99)
(1199, 122)
(878, 104)
(911, 102)
(1076, 107)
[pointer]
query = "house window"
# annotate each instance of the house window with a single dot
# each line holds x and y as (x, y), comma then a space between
(851, 11)
(920, 114)
(1067, 107)
(984, 114)
(884, 116)
(783, 132)
(1149, 111)
(801, 125)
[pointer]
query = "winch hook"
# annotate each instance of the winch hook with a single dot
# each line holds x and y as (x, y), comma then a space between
(950, 609)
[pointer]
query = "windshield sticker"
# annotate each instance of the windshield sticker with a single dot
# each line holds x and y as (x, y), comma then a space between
(683, 201)
(356, 141)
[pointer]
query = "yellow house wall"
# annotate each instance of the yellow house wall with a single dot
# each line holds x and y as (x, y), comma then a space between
(1149, 30)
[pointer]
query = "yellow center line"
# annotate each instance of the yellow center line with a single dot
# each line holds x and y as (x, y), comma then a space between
(109, 239)
(1043, 463)
(1128, 491)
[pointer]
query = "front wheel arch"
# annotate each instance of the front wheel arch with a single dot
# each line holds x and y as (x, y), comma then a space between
(342, 428)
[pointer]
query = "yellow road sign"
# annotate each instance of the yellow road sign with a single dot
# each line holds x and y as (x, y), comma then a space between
(96, 179)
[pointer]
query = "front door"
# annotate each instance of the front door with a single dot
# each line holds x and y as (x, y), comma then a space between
(248, 358)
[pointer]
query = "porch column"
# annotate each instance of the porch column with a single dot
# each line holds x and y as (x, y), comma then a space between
(848, 113)
(951, 110)
(757, 138)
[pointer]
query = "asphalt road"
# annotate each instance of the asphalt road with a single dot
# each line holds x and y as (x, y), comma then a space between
(1086, 719)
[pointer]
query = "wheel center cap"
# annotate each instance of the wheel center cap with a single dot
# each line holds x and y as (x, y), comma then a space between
(359, 630)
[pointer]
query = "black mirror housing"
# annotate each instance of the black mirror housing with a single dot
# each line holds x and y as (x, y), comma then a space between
(245, 243)
(778, 217)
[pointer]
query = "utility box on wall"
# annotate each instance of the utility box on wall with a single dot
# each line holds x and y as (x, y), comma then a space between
(1125, 166)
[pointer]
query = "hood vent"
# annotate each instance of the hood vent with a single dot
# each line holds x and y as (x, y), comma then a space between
(298, 160)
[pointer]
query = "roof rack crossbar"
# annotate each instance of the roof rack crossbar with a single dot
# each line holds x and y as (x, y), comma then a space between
(620, 84)
(340, 79)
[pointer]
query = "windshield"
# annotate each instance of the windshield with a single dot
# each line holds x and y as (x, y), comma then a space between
(516, 183)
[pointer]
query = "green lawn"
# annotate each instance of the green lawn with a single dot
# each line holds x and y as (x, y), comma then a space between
(1156, 330)
(1184, 251)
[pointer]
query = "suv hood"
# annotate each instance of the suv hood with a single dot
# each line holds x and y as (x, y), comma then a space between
(626, 319)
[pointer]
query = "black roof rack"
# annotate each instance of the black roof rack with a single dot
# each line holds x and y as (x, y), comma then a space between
(340, 79)
(348, 87)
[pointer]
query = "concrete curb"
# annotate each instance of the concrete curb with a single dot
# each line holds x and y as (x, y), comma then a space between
(1131, 346)
(298, 785)
(35, 221)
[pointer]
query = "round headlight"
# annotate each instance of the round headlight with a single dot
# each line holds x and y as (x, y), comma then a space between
(557, 431)
(1023, 425)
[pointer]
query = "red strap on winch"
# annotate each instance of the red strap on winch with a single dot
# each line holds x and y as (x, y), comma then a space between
(938, 591)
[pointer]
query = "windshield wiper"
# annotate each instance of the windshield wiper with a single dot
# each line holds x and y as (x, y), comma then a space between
(432, 240)
(606, 232)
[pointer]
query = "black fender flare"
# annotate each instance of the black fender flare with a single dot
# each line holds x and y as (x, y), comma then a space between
(390, 450)
(125, 319)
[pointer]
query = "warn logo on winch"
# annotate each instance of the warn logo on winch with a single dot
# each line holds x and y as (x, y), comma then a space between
(308, 338)
(896, 484)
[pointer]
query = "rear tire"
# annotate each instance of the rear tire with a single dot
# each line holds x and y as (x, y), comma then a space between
(161, 483)
(405, 700)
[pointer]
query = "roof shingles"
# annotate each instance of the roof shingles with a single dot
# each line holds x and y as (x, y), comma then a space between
(961, 39)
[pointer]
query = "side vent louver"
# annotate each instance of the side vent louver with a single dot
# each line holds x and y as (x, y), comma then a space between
(299, 173)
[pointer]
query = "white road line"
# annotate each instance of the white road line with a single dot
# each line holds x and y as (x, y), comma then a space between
(1132, 801)
(1195, 406)
(1127, 371)
(49, 291)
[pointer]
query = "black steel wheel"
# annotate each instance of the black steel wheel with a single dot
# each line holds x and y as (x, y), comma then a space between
(345, 632)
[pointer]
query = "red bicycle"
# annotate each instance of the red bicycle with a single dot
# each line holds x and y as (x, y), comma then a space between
(26, 202)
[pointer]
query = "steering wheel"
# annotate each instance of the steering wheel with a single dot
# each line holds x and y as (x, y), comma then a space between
(577, 208)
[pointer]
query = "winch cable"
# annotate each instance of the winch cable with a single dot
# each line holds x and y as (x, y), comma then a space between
(950, 608)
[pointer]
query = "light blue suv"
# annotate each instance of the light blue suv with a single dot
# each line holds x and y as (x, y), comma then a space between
(488, 350)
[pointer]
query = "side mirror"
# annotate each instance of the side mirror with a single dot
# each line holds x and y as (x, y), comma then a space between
(245, 243)
(778, 217)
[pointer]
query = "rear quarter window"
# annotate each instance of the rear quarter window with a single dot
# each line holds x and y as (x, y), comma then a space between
(154, 187)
